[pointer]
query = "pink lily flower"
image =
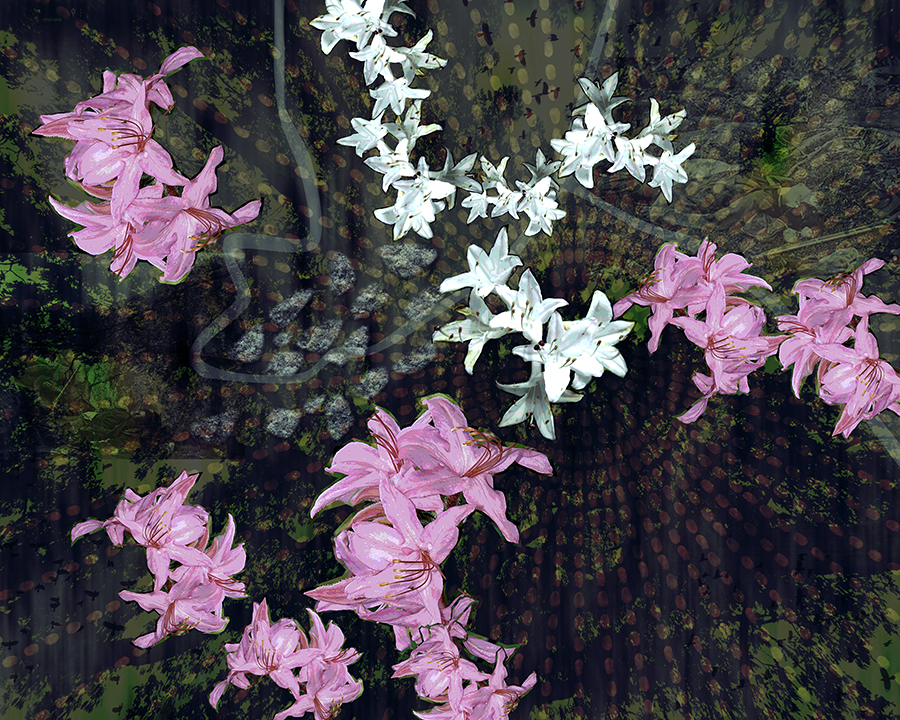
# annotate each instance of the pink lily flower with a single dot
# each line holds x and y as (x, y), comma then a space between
(728, 272)
(364, 468)
(326, 691)
(265, 649)
(808, 332)
(840, 298)
(183, 222)
(494, 701)
(411, 630)
(326, 649)
(188, 605)
(859, 380)
(396, 565)
(162, 524)
(225, 561)
(733, 347)
(116, 147)
(102, 231)
(122, 90)
(671, 286)
(460, 459)
(439, 669)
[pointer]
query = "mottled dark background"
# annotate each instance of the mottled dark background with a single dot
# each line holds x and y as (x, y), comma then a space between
(741, 566)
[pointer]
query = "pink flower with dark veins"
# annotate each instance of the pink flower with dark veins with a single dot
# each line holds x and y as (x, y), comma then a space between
(807, 332)
(160, 523)
(122, 90)
(727, 271)
(265, 649)
(102, 231)
(732, 345)
(188, 605)
(325, 692)
(859, 380)
(439, 668)
(840, 298)
(462, 460)
(396, 564)
(671, 286)
(364, 468)
(225, 561)
(494, 701)
(114, 146)
(184, 224)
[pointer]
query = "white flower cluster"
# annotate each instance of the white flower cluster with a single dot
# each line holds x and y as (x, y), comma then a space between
(573, 352)
(421, 191)
(536, 198)
(596, 136)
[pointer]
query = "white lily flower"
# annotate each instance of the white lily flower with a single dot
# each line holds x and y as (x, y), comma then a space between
(533, 403)
(557, 353)
(368, 134)
(414, 59)
(478, 204)
(506, 201)
(376, 58)
(542, 169)
(660, 128)
(630, 155)
(589, 142)
(394, 95)
(457, 176)
(668, 169)
(409, 128)
(528, 311)
(348, 20)
(486, 272)
(475, 330)
(417, 202)
(601, 333)
(539, 203)
(393, 164)
(601, 98)
(494, 175)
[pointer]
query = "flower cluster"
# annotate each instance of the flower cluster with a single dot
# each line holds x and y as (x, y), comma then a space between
(164, 222)
(323, 682)
(831, 313)
(597, 136)
(421, 191)
(393, 560)
(572, 352)
(856, 378)
(190, 595)
(729, 334)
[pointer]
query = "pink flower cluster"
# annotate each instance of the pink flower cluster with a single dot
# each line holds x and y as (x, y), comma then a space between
(729, 333)
(190, 595)
(393, 559)
(277, 650)
(856, 378)
(165, 222)
(831, 313)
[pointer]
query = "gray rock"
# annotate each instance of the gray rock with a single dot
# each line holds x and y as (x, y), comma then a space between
(290, 308)
(338, 416)
(282, 422)
(341, 273)
(249, 348)
(407, 260)
(320, 338)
